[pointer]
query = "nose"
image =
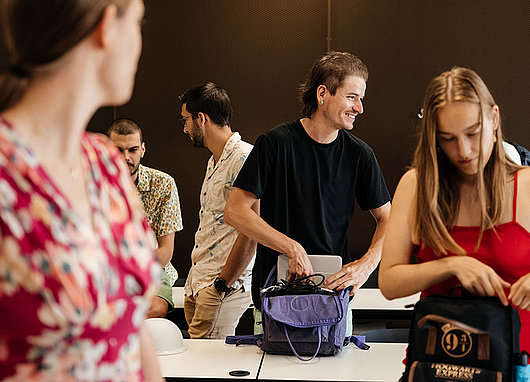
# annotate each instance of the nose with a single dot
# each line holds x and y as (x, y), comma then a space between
(358, 106)
(464, 148)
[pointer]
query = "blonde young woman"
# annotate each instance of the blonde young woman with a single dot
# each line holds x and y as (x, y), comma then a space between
(463, 210)
(76, 254)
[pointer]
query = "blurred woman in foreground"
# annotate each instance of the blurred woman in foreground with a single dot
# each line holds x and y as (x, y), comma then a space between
(76, 253)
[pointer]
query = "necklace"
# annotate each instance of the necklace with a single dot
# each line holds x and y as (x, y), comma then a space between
(75, 173)
(77, 168)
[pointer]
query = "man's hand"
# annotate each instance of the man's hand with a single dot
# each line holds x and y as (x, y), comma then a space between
(299, 264)
(352, 274)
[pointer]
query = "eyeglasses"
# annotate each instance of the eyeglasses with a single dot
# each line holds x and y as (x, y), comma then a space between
(184, 121)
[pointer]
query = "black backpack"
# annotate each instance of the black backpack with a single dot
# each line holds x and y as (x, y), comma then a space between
(462, 339)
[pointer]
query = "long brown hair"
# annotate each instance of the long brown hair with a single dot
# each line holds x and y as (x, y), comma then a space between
(38, 32)
(438, 193)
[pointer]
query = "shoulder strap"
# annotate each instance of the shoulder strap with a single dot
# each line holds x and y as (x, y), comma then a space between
(515, 197)
(271, 278)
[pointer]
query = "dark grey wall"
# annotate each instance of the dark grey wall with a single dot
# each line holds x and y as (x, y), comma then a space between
(261, 50)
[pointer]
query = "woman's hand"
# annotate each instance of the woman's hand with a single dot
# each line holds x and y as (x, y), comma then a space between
(478, 278)
(520, 293)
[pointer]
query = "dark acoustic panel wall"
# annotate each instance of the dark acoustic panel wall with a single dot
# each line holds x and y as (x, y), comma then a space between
(407, 43)
(260, 50)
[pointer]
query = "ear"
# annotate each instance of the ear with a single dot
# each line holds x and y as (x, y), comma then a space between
(203, 118)
(103, 34)
(495, 116)
(143, 149)
(321, 92)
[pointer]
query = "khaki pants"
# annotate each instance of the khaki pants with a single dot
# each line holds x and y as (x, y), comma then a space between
(210, 317)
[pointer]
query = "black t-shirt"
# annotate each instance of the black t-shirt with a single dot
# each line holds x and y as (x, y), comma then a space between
(307, 190)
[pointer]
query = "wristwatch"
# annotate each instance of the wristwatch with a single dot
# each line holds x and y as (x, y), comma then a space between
(221, 286)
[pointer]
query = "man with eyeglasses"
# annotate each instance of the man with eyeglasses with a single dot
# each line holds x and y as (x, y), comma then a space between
(308, 174)
(160, 199)
(214, 302)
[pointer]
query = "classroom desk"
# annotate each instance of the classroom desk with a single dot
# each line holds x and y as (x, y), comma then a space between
(210, 359)
(382, 362)
(213, 360)
(367, 299)
(370, 303)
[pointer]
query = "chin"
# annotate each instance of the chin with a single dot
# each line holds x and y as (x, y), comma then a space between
(120, 99)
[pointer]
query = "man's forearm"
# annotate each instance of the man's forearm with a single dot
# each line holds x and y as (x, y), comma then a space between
(240, 257)
(163, 256)
(248, 222)
(240, 215)
(164, 253)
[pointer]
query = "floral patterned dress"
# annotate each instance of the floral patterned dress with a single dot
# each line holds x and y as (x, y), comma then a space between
(73, 294)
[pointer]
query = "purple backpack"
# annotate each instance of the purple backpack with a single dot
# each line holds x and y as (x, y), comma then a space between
(301, 318)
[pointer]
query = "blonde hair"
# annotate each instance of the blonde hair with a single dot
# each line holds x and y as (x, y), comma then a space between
(438, 194)
(39, 32)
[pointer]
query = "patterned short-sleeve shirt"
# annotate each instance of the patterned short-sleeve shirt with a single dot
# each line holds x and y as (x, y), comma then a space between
(160, 198)
(214, 238)
(73, 294)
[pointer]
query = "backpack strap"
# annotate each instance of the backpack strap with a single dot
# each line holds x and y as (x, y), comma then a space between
(271, 278)
(250, 339)
(359, 341)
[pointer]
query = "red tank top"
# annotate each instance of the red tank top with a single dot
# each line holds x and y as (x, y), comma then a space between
(505, 249)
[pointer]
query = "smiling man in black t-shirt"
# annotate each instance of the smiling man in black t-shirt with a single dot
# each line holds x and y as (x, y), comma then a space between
(307, 174)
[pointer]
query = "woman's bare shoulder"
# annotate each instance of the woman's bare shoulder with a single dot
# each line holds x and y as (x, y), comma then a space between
(409, 180)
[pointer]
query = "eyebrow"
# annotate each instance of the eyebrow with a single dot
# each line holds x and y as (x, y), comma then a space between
(355, 94)
(475, 125)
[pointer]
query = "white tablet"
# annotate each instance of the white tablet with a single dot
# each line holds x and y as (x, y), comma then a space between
(324, 264)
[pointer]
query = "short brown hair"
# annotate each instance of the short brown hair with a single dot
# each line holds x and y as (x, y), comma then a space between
(125, 126)
(330, 70)
(209, 99)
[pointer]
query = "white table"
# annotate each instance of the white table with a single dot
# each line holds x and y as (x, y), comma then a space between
(373, 299)
(211, 359)
(382, 362)
(365, 299)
